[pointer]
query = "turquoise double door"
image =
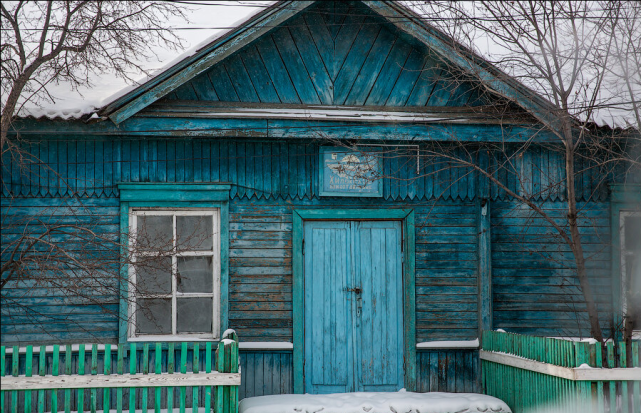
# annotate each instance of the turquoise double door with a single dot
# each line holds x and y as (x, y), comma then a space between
(353, 306)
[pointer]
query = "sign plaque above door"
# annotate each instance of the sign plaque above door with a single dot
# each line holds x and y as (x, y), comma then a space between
(347, 172)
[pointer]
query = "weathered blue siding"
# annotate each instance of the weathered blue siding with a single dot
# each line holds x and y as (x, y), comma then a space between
(451, 370)
(91, 167)
(265, 373)
(333, 53)
(531, 289)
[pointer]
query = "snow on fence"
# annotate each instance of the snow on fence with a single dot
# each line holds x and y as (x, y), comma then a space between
(133, 377)
(531, 373)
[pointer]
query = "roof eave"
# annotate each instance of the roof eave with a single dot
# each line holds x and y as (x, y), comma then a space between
(185, 70)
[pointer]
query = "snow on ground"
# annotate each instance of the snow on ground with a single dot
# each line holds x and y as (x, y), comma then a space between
(370, 402)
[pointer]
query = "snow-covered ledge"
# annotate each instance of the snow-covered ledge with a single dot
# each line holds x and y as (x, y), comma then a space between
(266, 345)
(465, 344)
(581, 373)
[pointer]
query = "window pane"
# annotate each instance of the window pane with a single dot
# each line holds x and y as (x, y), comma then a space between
(195, 275)
(153, 275)
(194, 233)
(153, 316)
(633, 233)
(155, 232)
(194, 315)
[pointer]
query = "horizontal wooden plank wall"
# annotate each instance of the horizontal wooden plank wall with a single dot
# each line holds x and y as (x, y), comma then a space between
(452, 370)
(265, 373)
(266, 169)
(334, 53)
(63, 308)
(535, 291)
(530, 288)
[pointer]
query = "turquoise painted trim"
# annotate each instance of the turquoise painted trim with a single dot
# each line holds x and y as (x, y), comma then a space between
(409, 282)
(377, 193)
(210, 199)
(411, 23)
(298, 305)
(192, 66)
(622, 197)
(409, 315)
(354, 214)
(485, 266)
(162, 192)
(194, 127)
(123, 312)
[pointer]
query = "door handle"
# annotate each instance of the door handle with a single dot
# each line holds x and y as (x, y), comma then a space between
(356, 290)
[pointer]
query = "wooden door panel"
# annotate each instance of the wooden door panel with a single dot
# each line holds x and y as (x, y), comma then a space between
(379, 333)
(328, 327)
(353, 306)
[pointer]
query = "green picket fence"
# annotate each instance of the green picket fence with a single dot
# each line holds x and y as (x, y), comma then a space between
(135, 377)
(533, 373)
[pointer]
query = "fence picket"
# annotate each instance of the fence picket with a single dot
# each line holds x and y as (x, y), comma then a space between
(183, 369)
(158, 370)
(54, 392)
(94, 371)
(132, 370)
(208, 370)
(21, 395)
(527, 385)
(636, 387)
(3, 353)
(81, 371)
(624, 384)
(170, 370)
(41, 372)
(119, 370)
(598, 360)
(68, 372)
(28, 373)
(14, 373)
(194, 390)
(145, 370)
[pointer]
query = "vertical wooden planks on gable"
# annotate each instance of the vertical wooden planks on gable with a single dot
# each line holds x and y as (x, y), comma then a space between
(389, 74)
(259, 76)
(296, 68)
(222, 83)
(407, 79)
(241, 80)
(319, 74)
(320, 34)
(349, 29)
(371, 68)
(354, 61)
(204, 88)
(277, 70)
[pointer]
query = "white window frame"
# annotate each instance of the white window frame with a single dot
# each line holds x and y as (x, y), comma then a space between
(625, 252)
(215, 213)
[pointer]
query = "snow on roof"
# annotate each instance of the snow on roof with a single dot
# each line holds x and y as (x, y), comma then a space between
(371, 402)
(76, 104)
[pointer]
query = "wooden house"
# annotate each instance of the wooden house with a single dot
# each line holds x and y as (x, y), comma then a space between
(347, 255)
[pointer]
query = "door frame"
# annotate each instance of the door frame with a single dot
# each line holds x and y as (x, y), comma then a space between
(409, 286)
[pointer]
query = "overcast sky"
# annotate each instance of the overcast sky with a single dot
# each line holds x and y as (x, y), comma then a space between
(205, 19)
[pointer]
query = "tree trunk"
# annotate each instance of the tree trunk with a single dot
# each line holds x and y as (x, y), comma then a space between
(576, 245)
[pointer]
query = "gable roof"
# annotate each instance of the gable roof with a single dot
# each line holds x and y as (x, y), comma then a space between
(394, 14)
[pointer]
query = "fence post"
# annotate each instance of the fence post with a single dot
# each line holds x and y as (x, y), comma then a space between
(227, 362)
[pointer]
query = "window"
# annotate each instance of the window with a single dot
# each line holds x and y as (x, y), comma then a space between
(175, 278)
(630, 239)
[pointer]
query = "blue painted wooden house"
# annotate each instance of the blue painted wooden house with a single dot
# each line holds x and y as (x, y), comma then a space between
(299, 150)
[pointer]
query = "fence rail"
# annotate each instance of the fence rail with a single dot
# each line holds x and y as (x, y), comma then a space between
(534, 372)
(133, 377)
